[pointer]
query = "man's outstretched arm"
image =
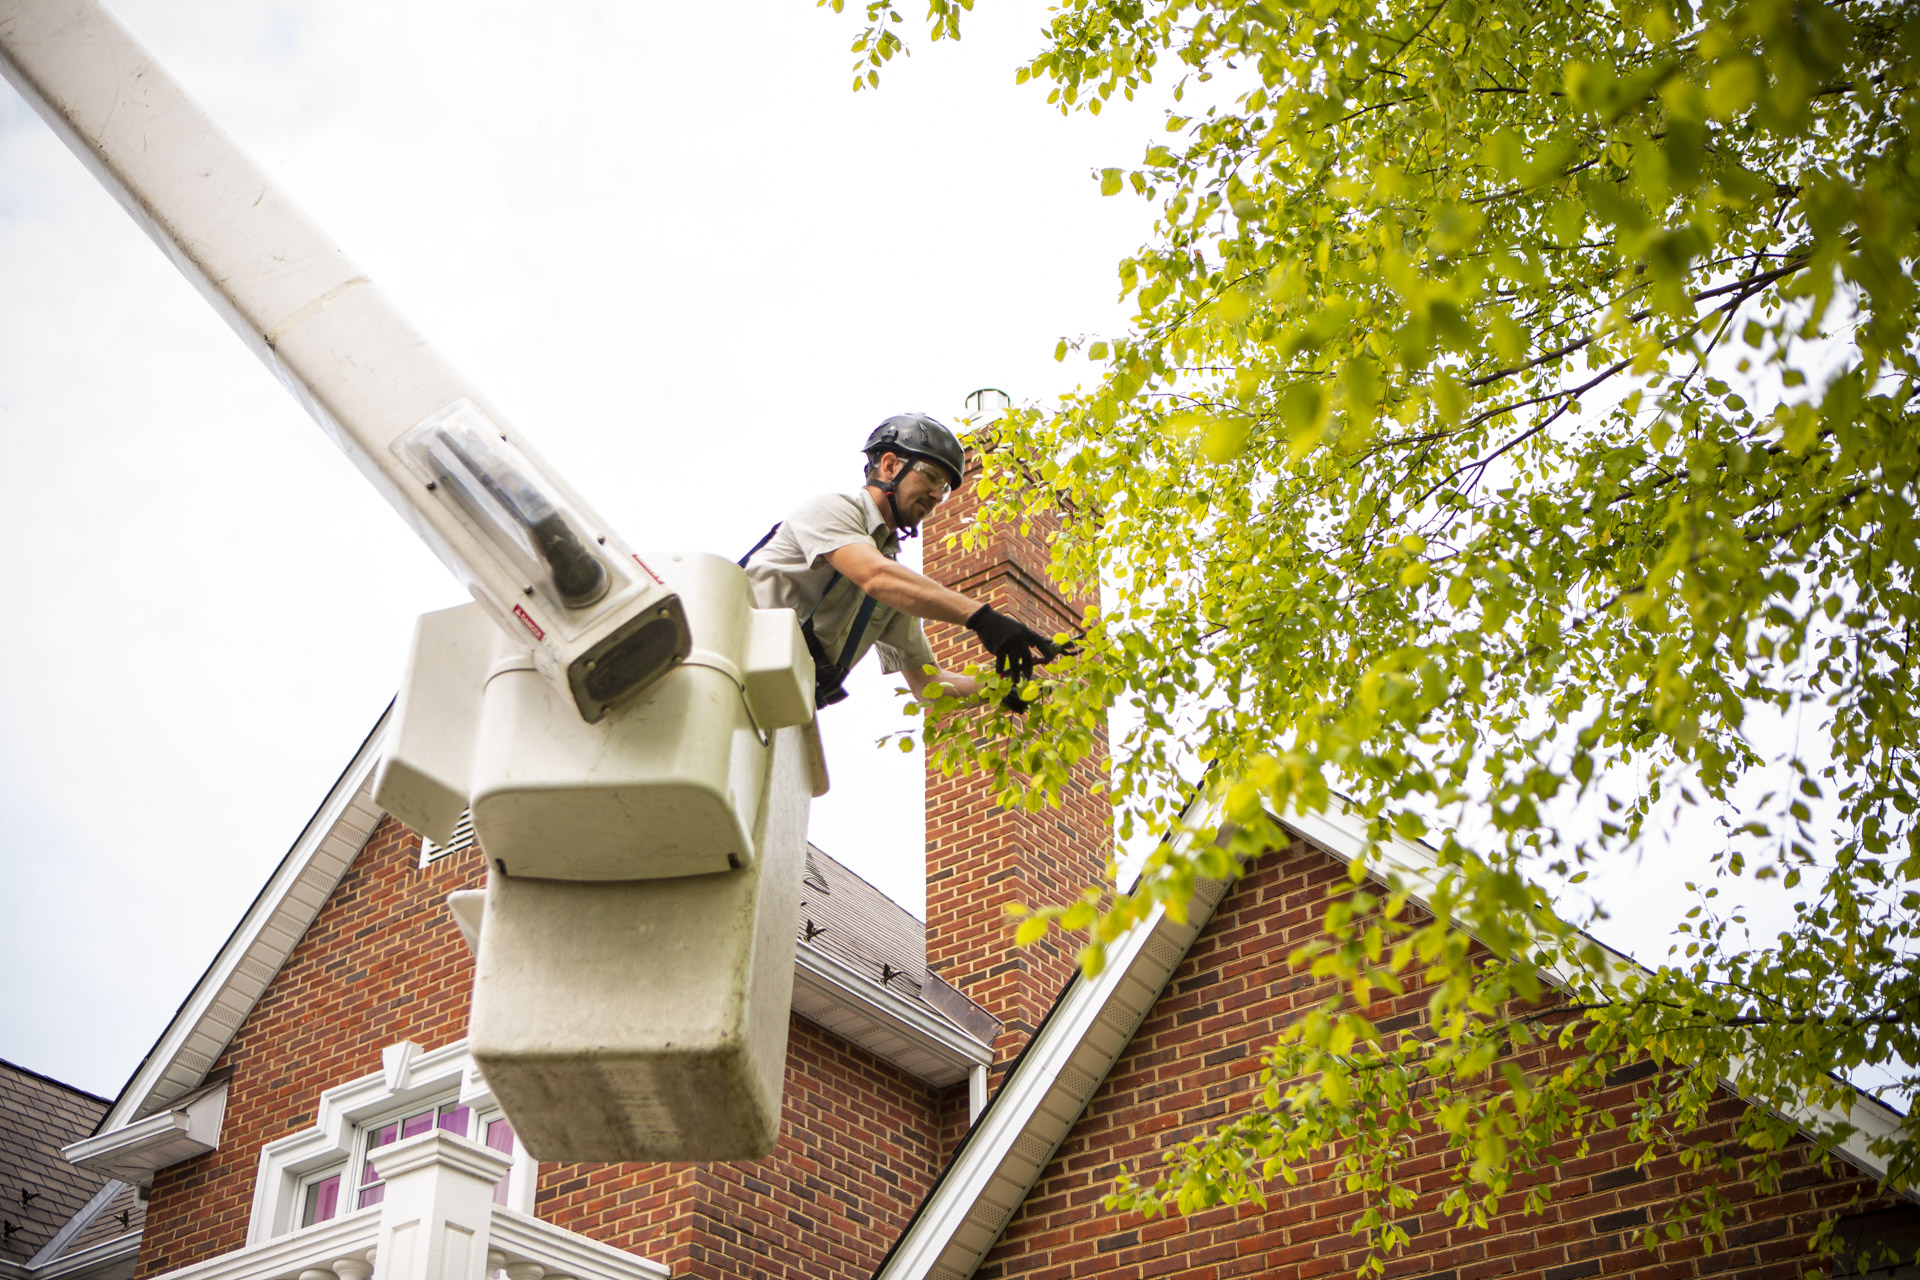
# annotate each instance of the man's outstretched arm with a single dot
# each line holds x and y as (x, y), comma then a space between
(1016, 648)
(898, 587)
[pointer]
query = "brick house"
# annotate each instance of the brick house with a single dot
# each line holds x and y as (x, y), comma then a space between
(952, 1107)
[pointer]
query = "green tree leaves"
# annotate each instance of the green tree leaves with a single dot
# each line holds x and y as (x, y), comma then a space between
(1518, 397)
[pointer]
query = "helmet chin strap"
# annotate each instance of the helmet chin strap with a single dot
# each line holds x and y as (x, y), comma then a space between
(888, 487)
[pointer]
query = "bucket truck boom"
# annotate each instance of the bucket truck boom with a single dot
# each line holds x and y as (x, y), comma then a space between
(634, 739)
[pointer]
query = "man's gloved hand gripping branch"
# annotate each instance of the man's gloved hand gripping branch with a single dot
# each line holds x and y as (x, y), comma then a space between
(833, 562)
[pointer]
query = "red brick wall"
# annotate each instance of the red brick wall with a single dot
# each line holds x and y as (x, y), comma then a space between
(383, 962)
(859, 1146)
(979, 856)
(1196, 1060)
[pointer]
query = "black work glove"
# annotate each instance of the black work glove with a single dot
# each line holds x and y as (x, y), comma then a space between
(1016, 647)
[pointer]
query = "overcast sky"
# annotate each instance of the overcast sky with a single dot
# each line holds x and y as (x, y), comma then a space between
(665, 240)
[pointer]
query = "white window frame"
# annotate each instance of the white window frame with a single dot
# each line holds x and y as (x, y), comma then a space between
(409, 1077)
(298, 1209)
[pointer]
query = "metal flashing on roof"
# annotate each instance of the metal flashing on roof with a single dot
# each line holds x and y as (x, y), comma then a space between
(112, 1259)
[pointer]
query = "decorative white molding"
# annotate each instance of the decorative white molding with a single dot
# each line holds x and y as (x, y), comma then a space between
(344, 1249)
(396, 1064)
(418, 1076)
(346, 1238)
(525, 1238)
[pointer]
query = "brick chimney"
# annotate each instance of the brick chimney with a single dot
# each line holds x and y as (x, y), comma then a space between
(981, 857)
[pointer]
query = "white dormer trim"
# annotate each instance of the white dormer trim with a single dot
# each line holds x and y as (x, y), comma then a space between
(409, 1075)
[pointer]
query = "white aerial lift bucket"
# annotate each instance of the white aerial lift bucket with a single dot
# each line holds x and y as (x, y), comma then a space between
(634, 944)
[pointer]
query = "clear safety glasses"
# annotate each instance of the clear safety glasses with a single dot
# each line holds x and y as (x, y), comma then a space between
(941, 487)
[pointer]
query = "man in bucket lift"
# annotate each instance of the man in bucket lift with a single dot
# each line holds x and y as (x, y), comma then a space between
(833, 562)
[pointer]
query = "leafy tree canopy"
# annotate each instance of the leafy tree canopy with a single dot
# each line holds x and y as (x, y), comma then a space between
(1518, 411)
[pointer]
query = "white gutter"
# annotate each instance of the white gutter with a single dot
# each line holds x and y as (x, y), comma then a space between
(119, 1249)
(925, 1030)
(136, 1152)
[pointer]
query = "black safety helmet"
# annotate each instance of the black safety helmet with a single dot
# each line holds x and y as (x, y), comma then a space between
(915, 435)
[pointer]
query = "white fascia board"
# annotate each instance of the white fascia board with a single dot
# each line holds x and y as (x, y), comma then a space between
(1042, 1099)
(261, 943)
(848, 987)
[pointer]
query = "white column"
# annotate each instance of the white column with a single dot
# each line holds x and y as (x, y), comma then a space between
(435, 1219)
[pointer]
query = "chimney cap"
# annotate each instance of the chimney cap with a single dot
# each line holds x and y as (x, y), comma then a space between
(987, 401)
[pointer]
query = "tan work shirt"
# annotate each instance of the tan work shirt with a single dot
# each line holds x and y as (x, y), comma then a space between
(792, 569)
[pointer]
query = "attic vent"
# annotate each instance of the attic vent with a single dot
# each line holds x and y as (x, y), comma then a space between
(462, 838)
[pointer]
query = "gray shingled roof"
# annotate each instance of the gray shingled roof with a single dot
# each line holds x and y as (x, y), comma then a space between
(39, 1192)
(843, 916)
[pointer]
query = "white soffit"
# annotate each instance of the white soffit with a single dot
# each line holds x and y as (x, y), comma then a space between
(849, 1003)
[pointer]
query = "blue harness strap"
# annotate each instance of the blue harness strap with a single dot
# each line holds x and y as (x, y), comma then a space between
(860, 619)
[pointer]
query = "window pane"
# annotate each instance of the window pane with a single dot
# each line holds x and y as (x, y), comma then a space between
(499, 1136)
(373, 1195)
(456, 1119)
(413, 1126)
(323, 1201)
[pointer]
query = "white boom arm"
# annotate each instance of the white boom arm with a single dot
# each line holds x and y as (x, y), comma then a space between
(600, 623)
(634, 963)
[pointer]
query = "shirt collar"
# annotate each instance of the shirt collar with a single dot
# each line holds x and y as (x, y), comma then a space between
(877, 523)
